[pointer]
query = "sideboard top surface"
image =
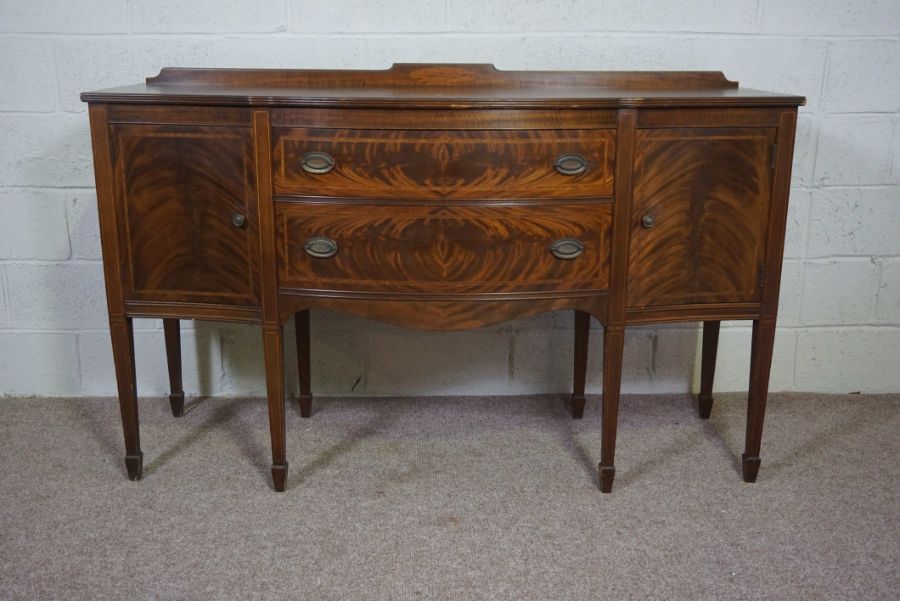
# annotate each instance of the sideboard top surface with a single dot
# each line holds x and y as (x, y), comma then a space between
(441, 85)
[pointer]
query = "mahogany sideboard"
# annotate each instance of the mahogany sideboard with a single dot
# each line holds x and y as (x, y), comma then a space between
(442, 197)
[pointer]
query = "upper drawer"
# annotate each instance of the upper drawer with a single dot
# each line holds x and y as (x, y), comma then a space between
(444, 164)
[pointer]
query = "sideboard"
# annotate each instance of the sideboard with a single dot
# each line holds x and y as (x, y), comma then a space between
(442, 197)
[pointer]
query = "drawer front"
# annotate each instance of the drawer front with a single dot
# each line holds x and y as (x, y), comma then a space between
(442, 249)
(443, 164)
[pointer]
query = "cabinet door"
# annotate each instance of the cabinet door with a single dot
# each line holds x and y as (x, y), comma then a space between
(699, 214)
(187, 210)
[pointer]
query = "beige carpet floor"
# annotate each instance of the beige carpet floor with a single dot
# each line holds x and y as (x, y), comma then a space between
(451, 498)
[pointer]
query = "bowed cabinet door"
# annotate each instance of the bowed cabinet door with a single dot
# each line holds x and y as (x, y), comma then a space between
(187, 211)
(699, 216)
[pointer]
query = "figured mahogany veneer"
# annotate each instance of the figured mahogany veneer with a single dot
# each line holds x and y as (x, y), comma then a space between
(443, 249)
(432, 165)
(442, 197)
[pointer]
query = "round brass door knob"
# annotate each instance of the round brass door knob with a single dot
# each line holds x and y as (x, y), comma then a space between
(647, 221)
(238, 220)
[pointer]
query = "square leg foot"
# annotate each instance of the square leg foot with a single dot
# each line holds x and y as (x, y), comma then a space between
(135, 466)
(704, 405)
(305, 405)
(750, 467)
(607, 474)
(177, 403)
(279, 476)
(577, 406)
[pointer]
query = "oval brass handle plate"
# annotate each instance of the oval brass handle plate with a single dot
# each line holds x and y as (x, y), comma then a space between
(567, 248)
(647, 221)
(570, 164)
(321, 248)
(238, 220)
(317, 162)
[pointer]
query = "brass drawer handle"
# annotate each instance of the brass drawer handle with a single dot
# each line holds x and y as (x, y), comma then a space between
(647, 221)
(238, 220)
(570, 164)
(567, 248)
(321, 248)
(317, 162)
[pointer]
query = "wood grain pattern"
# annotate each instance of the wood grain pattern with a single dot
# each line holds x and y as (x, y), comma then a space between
(442, 315)
(708, 191)
(443, 249)
(178, 189)
(444, 75)
(443, 119)
(443, 204)
(444, 164)
(440, 86)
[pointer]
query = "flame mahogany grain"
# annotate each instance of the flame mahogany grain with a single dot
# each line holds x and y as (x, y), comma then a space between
(443, 203)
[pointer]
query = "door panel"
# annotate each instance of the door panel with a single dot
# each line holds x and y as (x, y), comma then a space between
(182, 191)
(699, 214)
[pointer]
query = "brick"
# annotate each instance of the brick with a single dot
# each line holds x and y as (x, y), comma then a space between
(267, 52)
(888, 310)
(84, 226)
(590, 15)
(733, 360)
(790, 293)
(38, 363)
(783, 65)
(4, 298)
(854, 221)
(85, 64)
(895, 154)
(337, 361)
(409, 362)
(64, 16)
(825, 17)
(45, 150)
(797, 224)
(845, 360)
(674, 356)
(26, 70)
(343, 16)
(862, 76)
(208, 16)
(854, 150)
(57, 295)
(199, 356)
(839, 292)
(804, 151)
(33, 225)
(542, 361)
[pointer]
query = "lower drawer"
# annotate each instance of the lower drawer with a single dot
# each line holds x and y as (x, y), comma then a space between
(443, 249)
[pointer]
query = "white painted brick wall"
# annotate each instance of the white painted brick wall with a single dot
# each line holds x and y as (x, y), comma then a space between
(839, 324)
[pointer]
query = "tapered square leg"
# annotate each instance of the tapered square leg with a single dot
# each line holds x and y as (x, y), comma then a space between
(301, 329)
(708, 367)
(273, 348)
(172, 332)
(750, 467)
(760, 363)
(582, 331)
(279, 476)
(122, 335)
(135, 466)
(607, 475)
(613, 349)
